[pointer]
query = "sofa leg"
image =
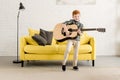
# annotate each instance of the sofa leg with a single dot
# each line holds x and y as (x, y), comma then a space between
(22, 63)
(93, 63)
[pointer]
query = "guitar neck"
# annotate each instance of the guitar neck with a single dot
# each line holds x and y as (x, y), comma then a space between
(89, 29)
(92, 29)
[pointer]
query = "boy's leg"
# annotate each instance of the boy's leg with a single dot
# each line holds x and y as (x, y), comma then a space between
(68, 48)
(76, 49)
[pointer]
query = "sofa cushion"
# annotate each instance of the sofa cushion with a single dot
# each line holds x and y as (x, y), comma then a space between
(29, 40)
(32, 32)
(82, 49)
(39, 39)
(42, 50)
(48, 35)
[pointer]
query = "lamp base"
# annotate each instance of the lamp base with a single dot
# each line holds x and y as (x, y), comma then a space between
(17, 61)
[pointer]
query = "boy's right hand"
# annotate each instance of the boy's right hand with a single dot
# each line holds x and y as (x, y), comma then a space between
(67, 34)
(66, 30)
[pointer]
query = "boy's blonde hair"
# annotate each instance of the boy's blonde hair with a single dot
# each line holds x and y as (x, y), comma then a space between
(75, 12)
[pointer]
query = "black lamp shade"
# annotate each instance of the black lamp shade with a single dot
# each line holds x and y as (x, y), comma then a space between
(21, 6)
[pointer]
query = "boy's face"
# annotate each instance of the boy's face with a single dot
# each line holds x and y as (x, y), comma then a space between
(76, 17)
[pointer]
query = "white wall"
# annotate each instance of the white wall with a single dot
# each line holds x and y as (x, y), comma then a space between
(118, 28)
(46, 14)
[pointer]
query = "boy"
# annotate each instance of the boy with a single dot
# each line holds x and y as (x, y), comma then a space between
(75, 42)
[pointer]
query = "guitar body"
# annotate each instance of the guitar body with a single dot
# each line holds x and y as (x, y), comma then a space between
(59, 35)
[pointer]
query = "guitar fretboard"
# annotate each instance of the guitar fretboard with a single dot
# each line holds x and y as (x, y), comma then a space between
(91, 29)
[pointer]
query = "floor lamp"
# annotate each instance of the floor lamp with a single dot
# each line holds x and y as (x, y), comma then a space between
(21, 7)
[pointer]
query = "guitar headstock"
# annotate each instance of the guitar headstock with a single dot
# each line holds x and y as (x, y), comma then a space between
(101, 29)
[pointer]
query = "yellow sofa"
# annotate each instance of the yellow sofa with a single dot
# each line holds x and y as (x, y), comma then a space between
(30, 50)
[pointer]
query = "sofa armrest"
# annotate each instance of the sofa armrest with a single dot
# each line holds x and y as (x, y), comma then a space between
(23, 43)
(93, 44)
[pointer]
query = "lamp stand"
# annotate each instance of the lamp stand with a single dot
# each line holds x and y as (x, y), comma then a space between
(17, 60)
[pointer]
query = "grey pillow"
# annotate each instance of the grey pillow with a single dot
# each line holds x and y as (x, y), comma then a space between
(48, 35)
(39, 39)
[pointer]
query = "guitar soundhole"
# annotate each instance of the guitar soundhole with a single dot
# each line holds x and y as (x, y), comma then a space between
(64, 33)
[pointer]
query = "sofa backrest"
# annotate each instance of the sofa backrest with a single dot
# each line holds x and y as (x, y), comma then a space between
(84, 39)
(32, 32)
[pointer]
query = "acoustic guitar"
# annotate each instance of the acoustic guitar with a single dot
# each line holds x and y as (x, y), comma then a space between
(60, 35)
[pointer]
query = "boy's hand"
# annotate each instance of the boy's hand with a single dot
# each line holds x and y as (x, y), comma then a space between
(67, 34)
(66, 30)
(79, 32)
